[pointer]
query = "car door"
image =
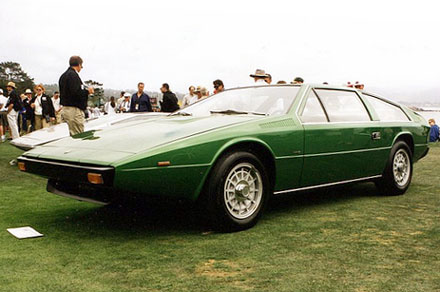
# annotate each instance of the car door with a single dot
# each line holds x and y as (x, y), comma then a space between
(338, 131)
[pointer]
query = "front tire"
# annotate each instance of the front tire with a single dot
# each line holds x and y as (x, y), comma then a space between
(397, 175)
(238, 191)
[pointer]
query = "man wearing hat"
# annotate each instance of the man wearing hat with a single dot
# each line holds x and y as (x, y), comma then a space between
(201, 93)
(74, 96)
(259, 77)
(13, 105)
(3, 116)
(124, 107)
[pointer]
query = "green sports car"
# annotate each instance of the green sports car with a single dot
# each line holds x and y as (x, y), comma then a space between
(232, 151)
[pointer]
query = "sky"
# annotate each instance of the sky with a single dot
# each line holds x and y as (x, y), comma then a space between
(391, 46)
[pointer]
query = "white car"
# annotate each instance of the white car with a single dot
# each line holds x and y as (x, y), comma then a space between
(55, 132)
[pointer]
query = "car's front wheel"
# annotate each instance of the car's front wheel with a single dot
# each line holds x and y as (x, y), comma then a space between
(238, 190)
(397, 175)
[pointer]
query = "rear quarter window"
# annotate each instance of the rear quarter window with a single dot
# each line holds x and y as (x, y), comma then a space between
(386, 111)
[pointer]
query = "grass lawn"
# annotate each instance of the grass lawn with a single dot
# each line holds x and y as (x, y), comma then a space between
(340, 239)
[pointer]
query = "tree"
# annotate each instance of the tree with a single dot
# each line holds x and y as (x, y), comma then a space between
(51, 88)
(11, 71)
(98, 97)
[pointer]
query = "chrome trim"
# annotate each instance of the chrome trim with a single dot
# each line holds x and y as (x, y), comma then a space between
(360, 122)
(346, 152)
(289, 157)
(328, 184)
(165, 167)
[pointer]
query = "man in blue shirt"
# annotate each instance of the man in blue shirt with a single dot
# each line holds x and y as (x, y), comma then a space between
(140, 101)
(434, 132)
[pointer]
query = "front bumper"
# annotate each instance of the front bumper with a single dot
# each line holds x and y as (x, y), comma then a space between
(71, 179)
(67, 171)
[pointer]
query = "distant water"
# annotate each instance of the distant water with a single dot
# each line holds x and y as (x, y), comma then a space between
(431, 115)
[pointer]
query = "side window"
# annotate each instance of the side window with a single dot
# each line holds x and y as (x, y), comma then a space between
(343, 106)
(385, 110)
(313, 112)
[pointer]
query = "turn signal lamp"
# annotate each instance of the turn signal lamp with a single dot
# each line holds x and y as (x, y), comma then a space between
(163, 163)
(95, 178)
(21, 166)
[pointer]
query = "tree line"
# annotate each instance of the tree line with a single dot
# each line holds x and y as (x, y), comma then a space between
(12, 71)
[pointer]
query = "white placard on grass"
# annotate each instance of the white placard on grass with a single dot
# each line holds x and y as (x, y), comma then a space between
(24, 232)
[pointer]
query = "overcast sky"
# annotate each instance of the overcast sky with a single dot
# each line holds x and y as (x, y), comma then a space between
(391, 46)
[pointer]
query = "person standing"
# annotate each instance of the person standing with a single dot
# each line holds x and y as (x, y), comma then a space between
(110, 106)
(44, 112)
(140, 101)
(13, 107)
(22, 117)
(3, 116)
(73, 96)
(259, 77)
(218, 86)
(169, 100)
(434, 131)
(125, 105)
(201, 93)
(298, 80)
(120, 100)
(30, 121)
(57, 107)
(187, 98)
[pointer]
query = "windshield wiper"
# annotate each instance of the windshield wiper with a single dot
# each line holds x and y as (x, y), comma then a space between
(234, 112)
(181, 114)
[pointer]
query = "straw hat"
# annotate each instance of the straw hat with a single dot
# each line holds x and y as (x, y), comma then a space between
(11, 84)
(259, 73)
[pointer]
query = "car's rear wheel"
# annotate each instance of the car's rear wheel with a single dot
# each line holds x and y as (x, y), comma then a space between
(238, 191)
(397, 175)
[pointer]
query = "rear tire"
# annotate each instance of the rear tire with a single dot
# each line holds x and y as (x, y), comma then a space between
(238, 191)
(397, 174)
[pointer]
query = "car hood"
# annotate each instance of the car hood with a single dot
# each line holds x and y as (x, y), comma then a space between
(60, 131)
(120, 141)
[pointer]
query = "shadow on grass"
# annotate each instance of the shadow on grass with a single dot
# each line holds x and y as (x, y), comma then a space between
(169, 216)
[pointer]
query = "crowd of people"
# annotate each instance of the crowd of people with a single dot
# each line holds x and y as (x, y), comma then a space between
(34, 109)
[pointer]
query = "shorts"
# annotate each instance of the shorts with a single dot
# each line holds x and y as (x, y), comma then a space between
(3, 119)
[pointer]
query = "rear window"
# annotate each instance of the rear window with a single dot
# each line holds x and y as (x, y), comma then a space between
(386, 111)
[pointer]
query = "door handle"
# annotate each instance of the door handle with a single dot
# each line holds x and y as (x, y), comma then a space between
(375, 136)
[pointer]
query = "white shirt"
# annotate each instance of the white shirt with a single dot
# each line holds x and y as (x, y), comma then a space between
(194, 99)
(187, 99)
(38, 110)
(109, 109)
(125, 106)
(56, 103)
(3, 102)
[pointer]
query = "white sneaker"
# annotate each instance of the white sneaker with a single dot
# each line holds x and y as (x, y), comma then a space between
(3, 138)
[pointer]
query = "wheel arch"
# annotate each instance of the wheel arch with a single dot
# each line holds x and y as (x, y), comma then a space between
(256, 146)
(407, 138)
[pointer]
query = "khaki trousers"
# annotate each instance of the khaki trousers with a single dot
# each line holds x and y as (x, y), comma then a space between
(58, 117)
(74, 117)
(40, 122)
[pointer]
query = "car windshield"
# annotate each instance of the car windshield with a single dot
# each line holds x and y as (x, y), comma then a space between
(265, 100)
